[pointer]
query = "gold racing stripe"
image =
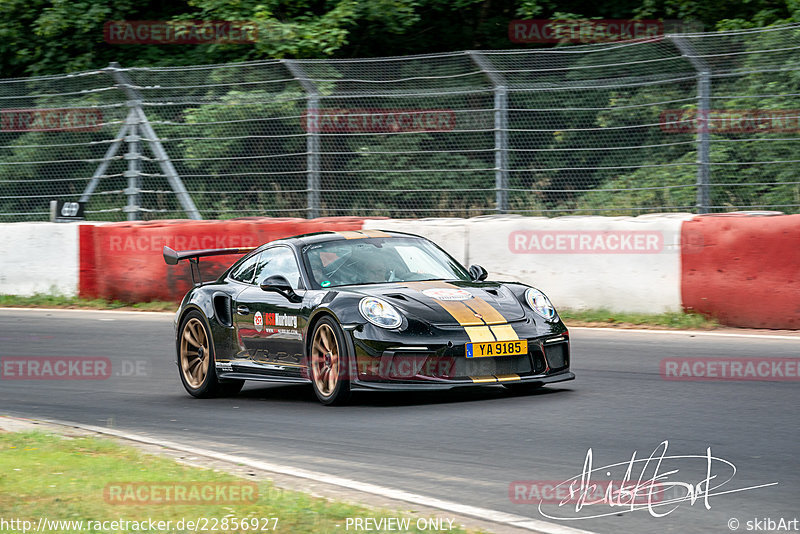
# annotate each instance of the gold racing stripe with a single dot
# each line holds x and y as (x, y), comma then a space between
(483, 379)
(464, 312)
(478, 334)
(506, 378)
(505, 332)
(362, 234)
(375, 233)
(489, 313)
(351, 234)
(461, 313)
(456, 308)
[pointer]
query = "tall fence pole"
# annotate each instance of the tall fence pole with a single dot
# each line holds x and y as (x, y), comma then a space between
(500, 130)
(703, 109)
(110, 154)
(135, 102)
(312, 137)
(133, 174)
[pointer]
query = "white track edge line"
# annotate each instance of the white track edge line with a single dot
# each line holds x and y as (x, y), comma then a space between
(684, 332)
(89, 310)
(589, 328)
(485, 514)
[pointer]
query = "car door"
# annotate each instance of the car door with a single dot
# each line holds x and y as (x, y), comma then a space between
(269, 325)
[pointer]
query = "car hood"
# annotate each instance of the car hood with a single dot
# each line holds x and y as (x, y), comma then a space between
(444, 303)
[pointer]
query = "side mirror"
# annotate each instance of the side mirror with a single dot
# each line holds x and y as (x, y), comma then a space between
(477, 273)
(279, 284)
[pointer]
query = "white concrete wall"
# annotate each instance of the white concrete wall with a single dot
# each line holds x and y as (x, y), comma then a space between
(450, 234)
(577, 261)
(619, 263)
(39, 257)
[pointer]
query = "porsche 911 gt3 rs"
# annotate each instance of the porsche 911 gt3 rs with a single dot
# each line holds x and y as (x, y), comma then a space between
(362, 310)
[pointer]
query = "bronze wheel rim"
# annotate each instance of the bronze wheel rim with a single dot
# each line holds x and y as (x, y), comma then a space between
(325, 366)
(195, 353)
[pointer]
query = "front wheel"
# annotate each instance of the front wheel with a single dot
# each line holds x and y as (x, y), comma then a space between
(328, 363)
(196, 360)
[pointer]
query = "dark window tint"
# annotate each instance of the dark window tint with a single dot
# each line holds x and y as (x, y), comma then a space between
(244, 271)
(278, 261)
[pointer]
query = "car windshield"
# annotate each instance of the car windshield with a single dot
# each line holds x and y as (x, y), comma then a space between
(379, 260)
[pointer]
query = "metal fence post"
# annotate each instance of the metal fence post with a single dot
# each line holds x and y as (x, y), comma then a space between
(175, 182)
(312, 138)
(500, 130)
(111, 152)
(704, 143)
(312, 160)
(133, 174)
(703, 108)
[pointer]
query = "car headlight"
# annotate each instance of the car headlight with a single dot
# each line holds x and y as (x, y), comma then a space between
(379, 312)
(539, 303)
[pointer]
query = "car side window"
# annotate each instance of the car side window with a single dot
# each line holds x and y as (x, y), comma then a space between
(245, 271)
(278, 261)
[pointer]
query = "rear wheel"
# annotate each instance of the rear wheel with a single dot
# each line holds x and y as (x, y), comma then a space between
(196, 360)
(328, 362)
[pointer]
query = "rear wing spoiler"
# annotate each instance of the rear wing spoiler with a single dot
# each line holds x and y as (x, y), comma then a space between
(172, 257)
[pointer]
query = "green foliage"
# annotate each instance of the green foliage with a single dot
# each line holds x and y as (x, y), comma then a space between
(53, 36)
(676, 320)
(229, 134)
(67, 478)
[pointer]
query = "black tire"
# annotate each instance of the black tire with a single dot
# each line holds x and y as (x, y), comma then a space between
(328, 363)
(196, 359)
(521, 388)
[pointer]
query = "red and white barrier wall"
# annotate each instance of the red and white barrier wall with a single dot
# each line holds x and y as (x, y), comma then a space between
(38, 258)
(618, 263)
(744, 270)
(124, 261)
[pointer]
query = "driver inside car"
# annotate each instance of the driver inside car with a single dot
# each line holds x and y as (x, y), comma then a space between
(372, 268)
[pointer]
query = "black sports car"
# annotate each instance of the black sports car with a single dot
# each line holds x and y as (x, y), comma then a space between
(362, 310)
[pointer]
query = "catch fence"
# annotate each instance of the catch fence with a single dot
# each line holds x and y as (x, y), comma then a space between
(704, 122)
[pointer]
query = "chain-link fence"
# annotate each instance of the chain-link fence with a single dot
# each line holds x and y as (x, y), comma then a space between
(695, 122)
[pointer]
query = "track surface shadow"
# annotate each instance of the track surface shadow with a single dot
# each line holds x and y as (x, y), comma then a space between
(305, 394)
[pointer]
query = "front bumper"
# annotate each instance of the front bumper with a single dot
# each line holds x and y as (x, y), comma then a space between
(441, 362)
(561, 376)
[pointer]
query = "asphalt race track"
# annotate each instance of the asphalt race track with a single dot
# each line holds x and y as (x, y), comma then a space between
(466, 446)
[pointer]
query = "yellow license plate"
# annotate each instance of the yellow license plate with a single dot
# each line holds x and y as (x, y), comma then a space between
(497, 348)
